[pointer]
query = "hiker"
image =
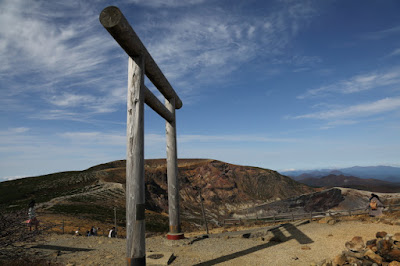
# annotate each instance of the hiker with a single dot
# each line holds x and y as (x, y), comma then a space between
(32, 216)
(112, 233)
(374, 196)
(375, 206)
(93, 231)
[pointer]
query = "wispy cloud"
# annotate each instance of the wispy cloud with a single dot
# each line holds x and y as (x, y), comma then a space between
(231, 138)
(15, 130)
(166, 3)
(55, 45)
(357, 84)
(395, 52)
(94, 138)
(203, 45)
(118, 139)
(356, 111)
(381, 34)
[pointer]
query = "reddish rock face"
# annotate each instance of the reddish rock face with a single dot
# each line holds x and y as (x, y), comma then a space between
(221, 185)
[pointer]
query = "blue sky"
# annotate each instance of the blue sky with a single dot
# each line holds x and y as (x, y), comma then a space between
(275, 84)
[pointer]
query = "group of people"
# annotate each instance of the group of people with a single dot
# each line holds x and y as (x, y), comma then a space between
(94, 232)
(34, 222)
(375, 208)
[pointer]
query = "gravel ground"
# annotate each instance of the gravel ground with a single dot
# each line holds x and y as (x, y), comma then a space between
(287, 245)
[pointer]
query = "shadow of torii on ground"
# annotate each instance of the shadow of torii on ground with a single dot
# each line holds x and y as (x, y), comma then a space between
(61, 248)
(294, 232)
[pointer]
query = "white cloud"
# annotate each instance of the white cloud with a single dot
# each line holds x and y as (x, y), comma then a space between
(15, 130)
(61, 49)
(166, 3)
(357, 83)
(360, 110)
(95, 138)
(395, 52)
(230, 138)
(203, 45)
(381, 34)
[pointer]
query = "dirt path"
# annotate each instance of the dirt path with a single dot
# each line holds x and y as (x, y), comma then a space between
(286, 245)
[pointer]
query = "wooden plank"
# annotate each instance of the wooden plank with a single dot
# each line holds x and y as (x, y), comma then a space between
(135, 196)
(172, 172)
(156, 105)
(117, 25)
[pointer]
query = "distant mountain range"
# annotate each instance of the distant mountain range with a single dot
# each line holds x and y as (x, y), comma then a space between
(367, 184)
(387, 173)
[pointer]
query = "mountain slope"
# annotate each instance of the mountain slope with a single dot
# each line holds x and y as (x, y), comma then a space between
(387, 173)
(96, 191)
(370, 184)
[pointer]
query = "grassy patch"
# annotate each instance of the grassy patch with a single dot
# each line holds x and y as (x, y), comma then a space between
(154, 222)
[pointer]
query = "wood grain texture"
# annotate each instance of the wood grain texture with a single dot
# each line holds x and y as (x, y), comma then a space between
(156, 105)
(172, 170)
(135, 187)
(117, 25)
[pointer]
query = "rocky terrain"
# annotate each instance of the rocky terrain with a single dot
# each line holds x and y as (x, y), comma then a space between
(323, 242)
(95, 192)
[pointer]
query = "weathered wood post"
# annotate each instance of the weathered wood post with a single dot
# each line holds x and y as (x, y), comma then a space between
(172, 175)
(135, 195)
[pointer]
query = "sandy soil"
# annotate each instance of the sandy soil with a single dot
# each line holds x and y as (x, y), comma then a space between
(286, 245)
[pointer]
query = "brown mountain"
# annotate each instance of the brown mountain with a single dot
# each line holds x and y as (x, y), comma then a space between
(96, 191)
(369, 184)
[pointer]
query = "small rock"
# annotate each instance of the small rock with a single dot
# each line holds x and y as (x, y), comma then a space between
(356, 244)
(381, 234)
(373, 257)
(246, 235)
(305, 248)
(394, 254)
(394, 263)
(371, 243)
(226, 237)
(332, 221)
(384, 246)
(354, 261)
(396, 237)
(354, 254)
(330, 235)
(339, 260)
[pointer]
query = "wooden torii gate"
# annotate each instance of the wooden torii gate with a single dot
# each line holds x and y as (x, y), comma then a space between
(141, 63)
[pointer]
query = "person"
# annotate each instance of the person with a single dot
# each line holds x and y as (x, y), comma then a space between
(93, 231)
(32, 215)
(112, 233)
(375, 206)
(374, 196)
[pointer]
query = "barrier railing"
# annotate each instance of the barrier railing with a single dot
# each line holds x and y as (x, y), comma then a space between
(282, 217)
